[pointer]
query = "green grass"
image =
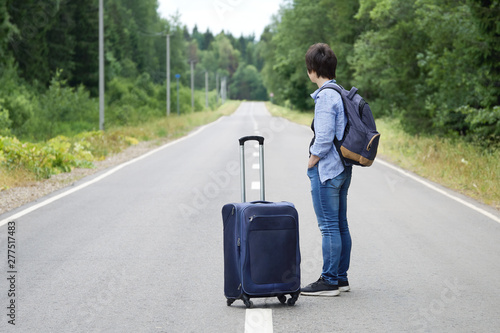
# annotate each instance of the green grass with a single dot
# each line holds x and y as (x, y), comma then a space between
(167, 128)
(454, 163)
(21, 163)
(304, 118)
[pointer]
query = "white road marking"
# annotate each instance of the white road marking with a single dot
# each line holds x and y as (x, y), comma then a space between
(259, 321)
(429, 185)
(255, 186)
(256, 166)
(101, 177)
(255, 154)
(255, 124)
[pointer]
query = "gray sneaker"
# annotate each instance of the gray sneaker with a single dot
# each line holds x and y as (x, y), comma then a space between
(320, 288)
(344, 286)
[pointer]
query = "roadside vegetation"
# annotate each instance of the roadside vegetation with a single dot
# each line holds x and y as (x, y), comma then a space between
(428, 68)
(431, 64)
(468, 168)
(23, 162)
(49, 103)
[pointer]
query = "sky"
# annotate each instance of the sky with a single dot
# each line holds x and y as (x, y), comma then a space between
(235, 16)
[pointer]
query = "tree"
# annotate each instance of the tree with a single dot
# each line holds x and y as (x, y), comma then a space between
(485, 14)
(86, 54)
(247, 84)
(7, 29)
(227, 57)
(297, 26)
(385, 57)
(28, 44)
(294, 30)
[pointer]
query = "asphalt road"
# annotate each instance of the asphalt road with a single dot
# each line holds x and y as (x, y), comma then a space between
(139, 249)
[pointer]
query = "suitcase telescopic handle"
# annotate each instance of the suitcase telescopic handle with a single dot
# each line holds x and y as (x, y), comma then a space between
(250, 138)
(242, 140)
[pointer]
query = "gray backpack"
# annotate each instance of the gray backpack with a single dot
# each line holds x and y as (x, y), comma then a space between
(360, 142)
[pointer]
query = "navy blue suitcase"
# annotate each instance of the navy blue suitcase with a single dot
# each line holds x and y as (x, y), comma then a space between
(261, 245)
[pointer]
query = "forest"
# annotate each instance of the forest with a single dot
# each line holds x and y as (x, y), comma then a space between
(431, 64)
(49, 66)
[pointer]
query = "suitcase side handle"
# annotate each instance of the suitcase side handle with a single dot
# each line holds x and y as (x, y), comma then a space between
(242, 140)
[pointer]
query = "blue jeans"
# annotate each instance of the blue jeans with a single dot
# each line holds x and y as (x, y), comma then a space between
(330, 205)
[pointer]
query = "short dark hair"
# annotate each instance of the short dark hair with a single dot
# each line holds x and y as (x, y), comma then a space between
(321, 59)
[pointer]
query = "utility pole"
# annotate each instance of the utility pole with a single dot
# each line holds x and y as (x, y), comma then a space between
(168, 75)
(192, 85)
(217, 87)
(101, 65)
(177, 76)
(223, 89)
(206, 90)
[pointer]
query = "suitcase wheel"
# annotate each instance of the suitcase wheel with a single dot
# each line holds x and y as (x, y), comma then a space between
(247, 301)
(282, 299)
(291, 301)
(230, 301)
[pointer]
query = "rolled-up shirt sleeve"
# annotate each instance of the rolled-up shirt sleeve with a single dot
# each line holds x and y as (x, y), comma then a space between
(325, 114)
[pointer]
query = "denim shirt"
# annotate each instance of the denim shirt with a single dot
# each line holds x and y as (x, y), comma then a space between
(329, 121)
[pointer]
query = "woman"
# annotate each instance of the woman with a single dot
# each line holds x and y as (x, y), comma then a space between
(330, 176)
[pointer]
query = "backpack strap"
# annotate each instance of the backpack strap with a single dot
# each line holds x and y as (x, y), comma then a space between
(333, 86)
(338, 88)
(336, 142)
